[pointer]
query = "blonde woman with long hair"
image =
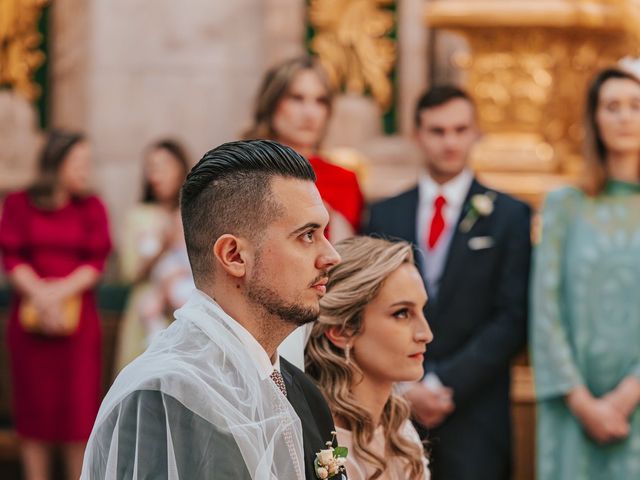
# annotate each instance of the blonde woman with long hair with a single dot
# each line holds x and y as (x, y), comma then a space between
(371, 334)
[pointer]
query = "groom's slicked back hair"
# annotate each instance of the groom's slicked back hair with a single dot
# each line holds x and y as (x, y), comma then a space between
(229, 192)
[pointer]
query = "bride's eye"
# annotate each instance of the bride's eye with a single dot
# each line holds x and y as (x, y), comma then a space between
(402, 313)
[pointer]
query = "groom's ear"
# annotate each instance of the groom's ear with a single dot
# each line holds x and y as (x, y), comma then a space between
(230, 253)
(338, 336)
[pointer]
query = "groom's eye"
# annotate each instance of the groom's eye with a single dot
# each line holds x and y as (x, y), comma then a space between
(308, 236)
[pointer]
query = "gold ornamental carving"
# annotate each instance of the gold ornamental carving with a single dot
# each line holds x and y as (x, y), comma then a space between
(528, 66)
(529, 87)
(19, 43)
(352, 43)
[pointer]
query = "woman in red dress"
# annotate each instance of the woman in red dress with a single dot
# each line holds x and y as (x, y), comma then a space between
(54, 240)
(293, 107)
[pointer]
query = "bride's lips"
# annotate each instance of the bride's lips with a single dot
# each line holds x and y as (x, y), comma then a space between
(417, 355)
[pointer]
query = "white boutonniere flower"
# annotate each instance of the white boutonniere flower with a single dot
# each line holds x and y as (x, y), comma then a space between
(330, 461)
(480, 205)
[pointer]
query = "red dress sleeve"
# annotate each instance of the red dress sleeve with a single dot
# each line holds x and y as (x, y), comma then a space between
(339, 188)
(13, 237)
(353, 201)
(98, 243)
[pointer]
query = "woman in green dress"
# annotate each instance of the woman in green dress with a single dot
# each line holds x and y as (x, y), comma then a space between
(585, 324)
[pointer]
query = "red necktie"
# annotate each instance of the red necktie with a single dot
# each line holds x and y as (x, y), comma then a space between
(437, 222)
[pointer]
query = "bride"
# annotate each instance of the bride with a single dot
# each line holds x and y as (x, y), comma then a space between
(371, 334)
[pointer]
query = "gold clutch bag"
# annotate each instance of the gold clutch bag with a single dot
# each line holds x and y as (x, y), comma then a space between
(70, 311)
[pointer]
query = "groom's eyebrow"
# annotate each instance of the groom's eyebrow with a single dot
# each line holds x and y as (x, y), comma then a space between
(304, 228)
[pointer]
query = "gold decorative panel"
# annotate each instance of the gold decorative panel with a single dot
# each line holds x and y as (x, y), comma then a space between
(528, 68)
(529, 87)
(19, 42)
(352, 43)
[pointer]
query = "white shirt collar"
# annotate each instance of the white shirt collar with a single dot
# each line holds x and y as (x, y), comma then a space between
(454, 191)
(254, 349)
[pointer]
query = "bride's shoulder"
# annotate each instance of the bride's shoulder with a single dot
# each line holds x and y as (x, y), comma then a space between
(408, 430)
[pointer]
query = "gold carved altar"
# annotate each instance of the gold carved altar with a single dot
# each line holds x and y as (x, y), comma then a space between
(19, 45)
(528, 66)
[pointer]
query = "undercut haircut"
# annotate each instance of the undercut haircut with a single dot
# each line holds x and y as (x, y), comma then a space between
(229, 192)
(439, 95)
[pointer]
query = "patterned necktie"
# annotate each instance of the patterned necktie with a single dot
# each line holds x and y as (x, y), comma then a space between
(277, 378)
(287, 433)
(437, 222)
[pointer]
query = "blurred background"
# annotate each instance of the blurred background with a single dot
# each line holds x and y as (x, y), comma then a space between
(127, 72)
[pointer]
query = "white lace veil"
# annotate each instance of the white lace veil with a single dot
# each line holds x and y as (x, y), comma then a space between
(194, 406)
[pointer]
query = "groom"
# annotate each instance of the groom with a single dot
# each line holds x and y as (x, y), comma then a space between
(210, 398)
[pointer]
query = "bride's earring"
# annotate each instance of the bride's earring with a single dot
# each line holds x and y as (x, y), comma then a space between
(347, 353)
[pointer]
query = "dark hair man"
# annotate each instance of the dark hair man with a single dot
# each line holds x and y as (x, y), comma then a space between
(474, 252)
(210, 398)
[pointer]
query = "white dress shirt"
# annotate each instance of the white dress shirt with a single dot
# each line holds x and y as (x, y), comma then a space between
(292, 348)
(254, 349)
(455, 192)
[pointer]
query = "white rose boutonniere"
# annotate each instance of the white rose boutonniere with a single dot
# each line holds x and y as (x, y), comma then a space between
(480, 205)
(329, 462)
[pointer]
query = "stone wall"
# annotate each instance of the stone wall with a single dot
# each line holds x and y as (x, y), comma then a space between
(128, 72)
(20, 139)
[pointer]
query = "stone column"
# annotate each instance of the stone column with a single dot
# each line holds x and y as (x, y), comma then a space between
(21, 140)
(413, 61)
(285, 29)
(130, 72)
(70, 64)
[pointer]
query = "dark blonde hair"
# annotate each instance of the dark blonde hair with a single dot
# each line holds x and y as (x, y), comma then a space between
(179, 155)
(56, 150)
(366, 264)
(595, 172)
(274, 87)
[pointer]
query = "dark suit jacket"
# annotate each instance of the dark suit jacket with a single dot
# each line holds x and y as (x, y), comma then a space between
(197, 453)
(479, 323)
(311, 407)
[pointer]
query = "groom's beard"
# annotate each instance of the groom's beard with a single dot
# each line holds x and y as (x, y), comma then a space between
(270, 301)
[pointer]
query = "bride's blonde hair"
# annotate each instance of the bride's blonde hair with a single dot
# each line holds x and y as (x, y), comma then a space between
(356, 281)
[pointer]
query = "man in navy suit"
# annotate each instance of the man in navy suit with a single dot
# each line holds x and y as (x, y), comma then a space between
(473, 249)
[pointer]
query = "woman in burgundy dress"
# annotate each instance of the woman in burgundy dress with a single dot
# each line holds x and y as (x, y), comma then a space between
(54, 240)
(293, 107)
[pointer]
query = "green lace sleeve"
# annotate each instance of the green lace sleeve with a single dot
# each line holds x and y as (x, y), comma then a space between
(554, 365)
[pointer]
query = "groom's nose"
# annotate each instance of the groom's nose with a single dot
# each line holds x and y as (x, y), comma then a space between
(328, 256)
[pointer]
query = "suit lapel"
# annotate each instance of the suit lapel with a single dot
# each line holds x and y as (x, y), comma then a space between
(406, 222)
(405, 217)
(458, 249)
(295, 394)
